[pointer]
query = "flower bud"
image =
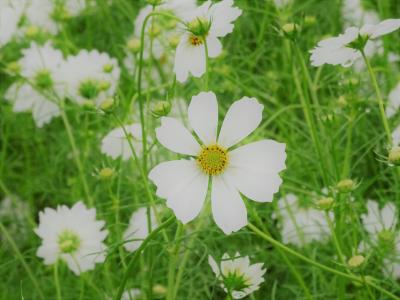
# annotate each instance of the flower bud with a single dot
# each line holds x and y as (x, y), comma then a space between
(199, 27)
(289, 28)
(134, 45)
(310, 20)
(159, 290)
(173, 41)
(107, 104)
(88, 104)
(356, 261)
(394, 155)
(104, 85)
(154, 30)
(342, 101)
(106, 173)
(161, 109)
(325, 203)
(346, 186)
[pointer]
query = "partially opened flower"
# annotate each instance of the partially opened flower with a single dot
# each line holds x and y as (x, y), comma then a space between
(346, 48)
(301, 225)
(394, 102)
(115, 144)
(380, 225)
(236, 275)
(206, 24)
(138, 228)
(72, 235)
(26, 99)
(252, 170)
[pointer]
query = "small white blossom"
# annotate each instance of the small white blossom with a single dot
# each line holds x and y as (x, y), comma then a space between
(237, 275)
(9, 18)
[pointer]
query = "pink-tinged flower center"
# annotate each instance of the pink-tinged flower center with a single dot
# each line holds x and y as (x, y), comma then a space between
(213, 159)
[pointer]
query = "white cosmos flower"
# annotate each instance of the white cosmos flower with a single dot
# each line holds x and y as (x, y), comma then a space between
(26, 99)
(252, 170)
(9, 18)
(301, 225)
(115, 144)
(72, 235)
(380, 225)
(396, 136)
(190, 54)
(90, 76)
(38, 14)
(138, 228)
(394, 102)
(237, 275)
(338, 50)
(355, 15)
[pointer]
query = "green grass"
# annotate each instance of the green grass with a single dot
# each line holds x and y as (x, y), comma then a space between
(36, 164)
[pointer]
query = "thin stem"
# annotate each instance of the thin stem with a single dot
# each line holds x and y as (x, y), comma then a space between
(173, 261)
(75, 152)
(206, 79)
(380, 99)
(57, 281)
(335, 240)
(138, 254)
(21, 258)
(317, 264)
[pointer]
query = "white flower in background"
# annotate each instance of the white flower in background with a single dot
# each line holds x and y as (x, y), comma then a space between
(115, 144)
(90, 77)
(72, 235)
(9, 18)
(131, 294)
(282, 3)
(252, 170)
(26, 99)
(340, 50)
(38, 16)
(138, 228)
(13, 214)
(209, 22)
(301, 225)
(237, 275)
(72, 8)
(396, 136)
(40, 65)
(355, 15)
(380, 225)
(394, 102)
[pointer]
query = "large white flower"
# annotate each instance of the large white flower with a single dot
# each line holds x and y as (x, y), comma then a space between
(301, 225)
(252, 170)
(394, 102)
(72, 235)
(237, 275)
(26, 99)
(138, 228)
(116, 143)
(9, 18)
(380, 225)
(340, 51)
(190, 54)
(90, 77)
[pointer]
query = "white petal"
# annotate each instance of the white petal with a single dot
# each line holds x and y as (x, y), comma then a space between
(388, 215)
(183, 185)
(223, 14)
(228, 208)
(214, 266)
(242, 118)
(203, 116)
(384, 27)
(214, 46)
(44, 111)
(174, 136)
(254, 169)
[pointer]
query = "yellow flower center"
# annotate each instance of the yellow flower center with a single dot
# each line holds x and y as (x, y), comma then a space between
(195, 40)
(213, 159)
(68, 241)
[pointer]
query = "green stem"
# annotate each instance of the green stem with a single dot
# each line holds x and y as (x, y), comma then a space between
(173, 261)
(75, 152)
(317, 264)
(57, 281)
(21, 258)
(206, 79)
(138, 253)
(380, 99)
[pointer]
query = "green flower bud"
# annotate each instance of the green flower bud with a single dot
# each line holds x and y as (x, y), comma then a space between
(161, 109)
(106, 173)
(346, 186)
(107, 104)
(325, 203)
(310, 20)
(355, 261)
(199, 27)
(394, 155)
(173, 41)
(134, 45)
(159, 290)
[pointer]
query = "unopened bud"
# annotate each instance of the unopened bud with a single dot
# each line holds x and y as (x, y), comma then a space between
(346, 186)
(356, 261)
(106, 173)
(104, 85)
(154, 30)
(394, 155)
(199, 27)
(325, 203)
(134, 45)
(161, 109)
(159, 290)
(289, 28)
(342, 101)
(107, 104)
(173, 41)
(310, 20)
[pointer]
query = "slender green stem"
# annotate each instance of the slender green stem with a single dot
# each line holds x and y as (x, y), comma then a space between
(57, 281)
(172, 262)
(315, 263)
(138, 253)
(380, 99)
(206, 79)
(75, 153)
(21, 258)
(335, 239)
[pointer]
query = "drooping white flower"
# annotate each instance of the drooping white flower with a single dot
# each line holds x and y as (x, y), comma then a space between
(340, 51)
(26, 99)
(237, 275)
(116, 144)
(301, 225)
(209, 22)
(380, 225)
(90, 76)
(138, 228)
(394, 102)
(9, 18)
(252, 170)
(72, 235)
(396, 136)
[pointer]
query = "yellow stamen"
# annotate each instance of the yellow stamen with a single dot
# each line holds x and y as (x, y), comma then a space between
(213, 159)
